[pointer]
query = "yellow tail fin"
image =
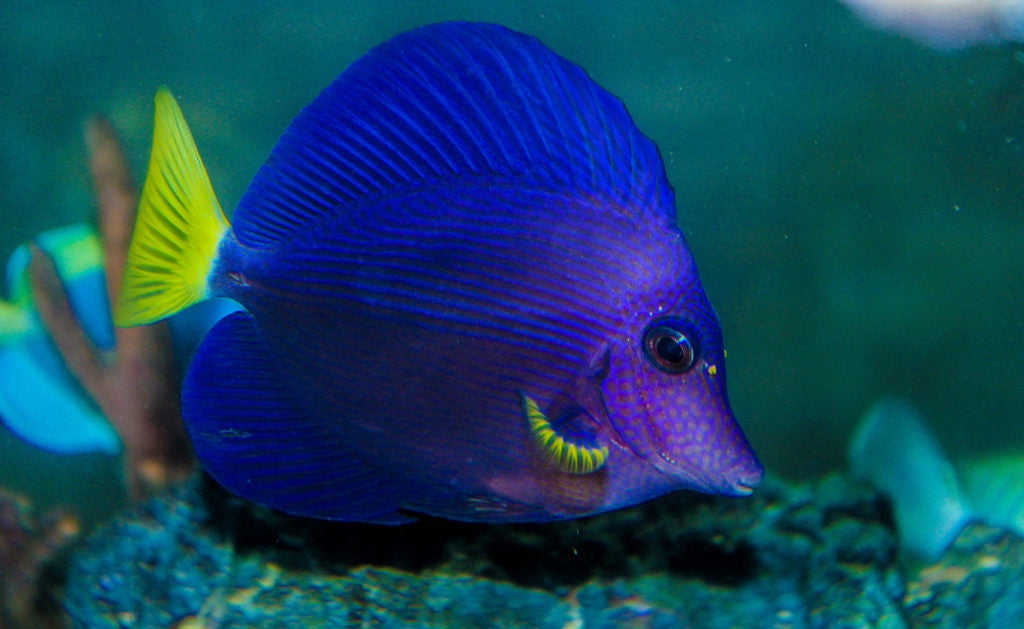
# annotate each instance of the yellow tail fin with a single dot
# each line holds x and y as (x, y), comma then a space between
(179, 225)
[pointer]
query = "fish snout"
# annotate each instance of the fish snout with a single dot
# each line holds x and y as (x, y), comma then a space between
(743, 478)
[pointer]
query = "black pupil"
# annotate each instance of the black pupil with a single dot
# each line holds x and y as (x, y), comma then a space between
(671, 350)
(671, 347)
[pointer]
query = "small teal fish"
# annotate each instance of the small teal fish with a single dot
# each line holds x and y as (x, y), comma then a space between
(40, 400)
(464, 294)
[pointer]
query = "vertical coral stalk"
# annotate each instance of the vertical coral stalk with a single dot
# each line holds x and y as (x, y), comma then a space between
(137, 386)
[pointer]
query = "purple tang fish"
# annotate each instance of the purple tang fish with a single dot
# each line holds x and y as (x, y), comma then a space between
(463, 294)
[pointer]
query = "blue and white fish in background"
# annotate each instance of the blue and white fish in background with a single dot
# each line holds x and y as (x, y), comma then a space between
(464, 294)
(40, 399)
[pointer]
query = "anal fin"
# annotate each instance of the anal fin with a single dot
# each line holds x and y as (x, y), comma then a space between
(256, 440)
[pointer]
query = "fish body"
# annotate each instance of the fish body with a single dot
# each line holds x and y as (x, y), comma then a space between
(464, 294)
(40, 400)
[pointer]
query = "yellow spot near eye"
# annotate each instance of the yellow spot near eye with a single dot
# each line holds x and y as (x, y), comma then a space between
(712, 370)
(566, 455)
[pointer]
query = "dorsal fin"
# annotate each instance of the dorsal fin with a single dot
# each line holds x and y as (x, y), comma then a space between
(447, 102)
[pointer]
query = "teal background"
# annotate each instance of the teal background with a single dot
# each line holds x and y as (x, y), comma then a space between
(855, 201)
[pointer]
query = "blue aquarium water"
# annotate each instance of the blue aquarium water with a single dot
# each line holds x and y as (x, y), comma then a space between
(853, 198)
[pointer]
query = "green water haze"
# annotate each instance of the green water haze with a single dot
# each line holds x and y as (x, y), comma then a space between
(855, 201)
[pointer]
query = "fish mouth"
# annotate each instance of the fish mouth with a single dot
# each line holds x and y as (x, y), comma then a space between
(743, 490)
(739, 480)
(745, 478)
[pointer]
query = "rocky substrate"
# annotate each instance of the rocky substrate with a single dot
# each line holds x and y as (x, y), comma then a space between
(821, 555)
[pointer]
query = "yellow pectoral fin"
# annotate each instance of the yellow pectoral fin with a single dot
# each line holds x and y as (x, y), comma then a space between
(179, 226)
(567, 455)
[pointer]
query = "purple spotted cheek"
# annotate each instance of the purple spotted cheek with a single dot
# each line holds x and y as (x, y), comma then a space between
(623, 400)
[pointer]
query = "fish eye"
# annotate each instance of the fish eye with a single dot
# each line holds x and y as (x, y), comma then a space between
(671, 347)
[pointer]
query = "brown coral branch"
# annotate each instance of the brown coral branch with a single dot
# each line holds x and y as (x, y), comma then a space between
(55, 311)
(116, 197)
(138, 389)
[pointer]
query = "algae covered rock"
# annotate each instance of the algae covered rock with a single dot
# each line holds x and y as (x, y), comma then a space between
(821, 555)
